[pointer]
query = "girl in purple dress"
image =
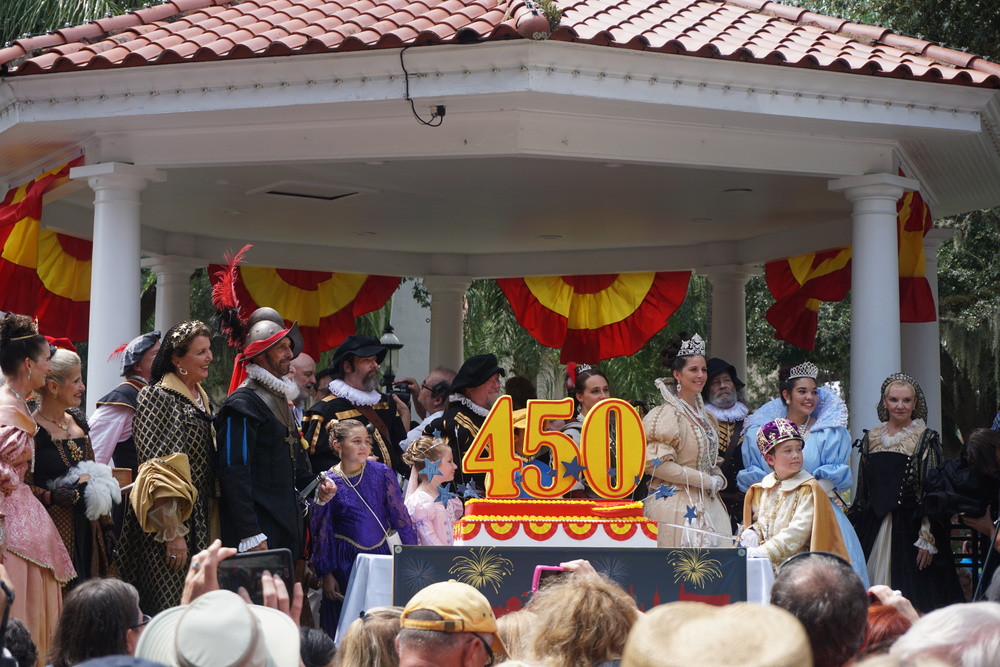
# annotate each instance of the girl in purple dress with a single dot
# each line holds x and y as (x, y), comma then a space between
(365, 510)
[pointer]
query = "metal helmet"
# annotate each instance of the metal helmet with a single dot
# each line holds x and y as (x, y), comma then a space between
(264, 314)
(265, 328)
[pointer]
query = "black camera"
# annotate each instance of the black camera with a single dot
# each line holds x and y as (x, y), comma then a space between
(401, 389)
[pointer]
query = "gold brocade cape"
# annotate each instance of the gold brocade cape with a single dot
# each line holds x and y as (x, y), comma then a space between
(166, 477)
(825, 536)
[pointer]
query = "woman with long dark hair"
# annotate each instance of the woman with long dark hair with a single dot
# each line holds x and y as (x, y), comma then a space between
(172, 506)
(36, 559)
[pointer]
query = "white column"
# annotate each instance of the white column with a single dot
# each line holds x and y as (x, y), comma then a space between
(729, 313)
(173, 287)
(921, 341)
(875, 346)
(115, 275)
(447, 346)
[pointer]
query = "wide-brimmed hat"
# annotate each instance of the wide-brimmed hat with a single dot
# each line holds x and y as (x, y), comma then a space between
(219, 629)
(682, 634)
(716, 366)
(773, 433)
(358, 346)
(919, 402)
(461, 607)
(475, 371)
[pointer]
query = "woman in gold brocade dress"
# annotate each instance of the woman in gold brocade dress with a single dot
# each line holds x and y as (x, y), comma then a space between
(172, 511)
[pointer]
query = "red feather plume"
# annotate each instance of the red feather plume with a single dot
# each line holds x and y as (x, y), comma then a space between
(118, 351)
(226, 302)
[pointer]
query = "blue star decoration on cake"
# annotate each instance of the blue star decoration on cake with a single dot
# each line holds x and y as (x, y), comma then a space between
(469, 490)
(664, 491)
(432, 468)
(572, 468)
(548, 474)
(445, 494)
(691, 513)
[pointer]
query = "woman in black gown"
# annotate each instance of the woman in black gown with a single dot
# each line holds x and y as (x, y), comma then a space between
(66, 479)
(905, 548)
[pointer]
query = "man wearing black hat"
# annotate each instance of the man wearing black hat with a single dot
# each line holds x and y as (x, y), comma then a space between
(722, 399)
(258, 446)
(475, 389)
(354, 395)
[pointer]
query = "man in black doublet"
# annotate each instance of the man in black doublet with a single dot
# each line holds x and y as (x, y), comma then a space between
(474, 391)
(354, 395)
(258, 445)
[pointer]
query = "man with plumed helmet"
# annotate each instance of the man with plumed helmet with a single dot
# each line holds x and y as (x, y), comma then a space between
(258, 443)
(475, 389)
(354, 395)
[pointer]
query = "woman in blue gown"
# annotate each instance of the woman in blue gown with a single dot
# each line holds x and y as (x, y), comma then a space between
(821, 417)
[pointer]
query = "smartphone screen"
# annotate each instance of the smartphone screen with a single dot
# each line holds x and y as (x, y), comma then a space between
(544, 572)
(245, 569)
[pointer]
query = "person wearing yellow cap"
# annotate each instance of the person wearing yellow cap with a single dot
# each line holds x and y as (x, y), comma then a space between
(448, 624)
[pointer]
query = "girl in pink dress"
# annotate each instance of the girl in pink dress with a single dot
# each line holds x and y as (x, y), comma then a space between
(432, 513)
(34, 555)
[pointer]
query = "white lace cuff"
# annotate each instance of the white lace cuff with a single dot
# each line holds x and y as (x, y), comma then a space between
(251, 542)
(926, 546)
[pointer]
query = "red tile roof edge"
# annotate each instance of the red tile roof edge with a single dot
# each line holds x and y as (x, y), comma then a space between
(872, 33)
(953, 61)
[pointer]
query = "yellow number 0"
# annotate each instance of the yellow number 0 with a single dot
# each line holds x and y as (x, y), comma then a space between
(630, 448)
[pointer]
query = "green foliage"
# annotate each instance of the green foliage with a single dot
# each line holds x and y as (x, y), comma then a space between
(766, 355)
(959, 24)
(28, 17)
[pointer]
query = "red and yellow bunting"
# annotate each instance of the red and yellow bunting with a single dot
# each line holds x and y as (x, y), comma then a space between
(43, 273)
(324, 303)
(800, 283)
(595, 317)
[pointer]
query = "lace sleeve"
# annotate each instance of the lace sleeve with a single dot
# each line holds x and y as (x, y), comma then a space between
(396, 512)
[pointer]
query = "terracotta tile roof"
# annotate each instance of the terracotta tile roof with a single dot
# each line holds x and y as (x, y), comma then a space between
(750, 30)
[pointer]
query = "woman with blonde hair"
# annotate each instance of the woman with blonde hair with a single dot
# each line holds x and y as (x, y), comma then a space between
(584, 620)
(905, 548)
(371, 639)
(433, 465)
(78, 492)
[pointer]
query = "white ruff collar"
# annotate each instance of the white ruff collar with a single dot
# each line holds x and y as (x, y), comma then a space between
(354, 396)
(279, 386)
(736, 413)
(464, 400)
